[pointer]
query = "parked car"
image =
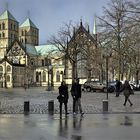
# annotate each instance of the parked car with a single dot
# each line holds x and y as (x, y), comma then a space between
(94, 86)
(134, 86)
(111, 86)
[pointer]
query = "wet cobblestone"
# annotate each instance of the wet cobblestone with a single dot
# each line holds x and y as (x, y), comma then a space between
(12, 101)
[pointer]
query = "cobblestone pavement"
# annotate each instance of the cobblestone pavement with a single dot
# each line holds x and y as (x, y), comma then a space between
(12, 101)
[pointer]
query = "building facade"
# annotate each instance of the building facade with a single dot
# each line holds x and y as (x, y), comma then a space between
(24, 63)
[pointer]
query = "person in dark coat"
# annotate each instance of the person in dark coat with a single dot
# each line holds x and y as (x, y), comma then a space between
(118, 87)
(63, 97)
(76, 95)
(127, 91)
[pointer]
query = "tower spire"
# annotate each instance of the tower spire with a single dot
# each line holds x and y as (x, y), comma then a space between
(6, 5)
(94, 26)
(81, 22)
(28, 14)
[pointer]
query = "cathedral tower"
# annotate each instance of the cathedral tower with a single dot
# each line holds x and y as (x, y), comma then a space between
(28, 32)
(8, 31)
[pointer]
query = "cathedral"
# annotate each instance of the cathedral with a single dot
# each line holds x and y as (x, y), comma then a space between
(24, 63)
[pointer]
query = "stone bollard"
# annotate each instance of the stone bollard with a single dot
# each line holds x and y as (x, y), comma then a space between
(51, 107)
(105, 105)
(26, 107)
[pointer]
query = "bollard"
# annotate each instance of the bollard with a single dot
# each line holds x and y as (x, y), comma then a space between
(51, 106)
(105, 105)
(26, 107)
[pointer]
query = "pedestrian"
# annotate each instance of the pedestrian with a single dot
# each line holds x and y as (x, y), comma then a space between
(118, 87)
(127, 91)
(76, 95)
(63, 97)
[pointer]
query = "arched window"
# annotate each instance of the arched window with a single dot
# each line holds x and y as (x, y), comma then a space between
(1, 69)
(8, 68)
(3, 26)
(44, 76)
(8, 78)
(11, 26)
(3, 34)
(57, 76)
(37, 76)
(22, 32)
(14, 27)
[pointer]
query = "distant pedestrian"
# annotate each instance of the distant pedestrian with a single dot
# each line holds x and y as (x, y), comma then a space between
(118, 87)
(127, 91)
(63, 97)
(76, 95)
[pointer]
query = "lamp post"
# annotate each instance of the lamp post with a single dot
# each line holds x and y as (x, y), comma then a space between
(107, 55)
(5, 74)
(49, 85)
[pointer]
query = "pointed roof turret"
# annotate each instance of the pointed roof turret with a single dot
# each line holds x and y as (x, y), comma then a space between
(94, 26)
(7, 15)
(28, 23)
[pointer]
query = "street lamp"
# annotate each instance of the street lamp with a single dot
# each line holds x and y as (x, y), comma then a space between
(49, 69)
(107, 55)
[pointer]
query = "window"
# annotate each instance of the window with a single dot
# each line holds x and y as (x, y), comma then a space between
(44, 76)
(3, 34)
(0, 35)
(25, 40)
(57, 76)
(8, 68)
(1, 69)
(14, 27)
(11, 26)
(8, 78)
(42, 62)
(0, 26)
(3, 26)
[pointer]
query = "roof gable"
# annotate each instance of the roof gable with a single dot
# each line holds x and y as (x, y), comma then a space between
(27, 48)
(7, 15)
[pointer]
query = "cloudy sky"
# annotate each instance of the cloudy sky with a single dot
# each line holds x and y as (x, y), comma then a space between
(50, 15)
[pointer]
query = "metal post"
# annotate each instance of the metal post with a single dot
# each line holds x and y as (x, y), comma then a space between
(26, 107)
(107, 77)
(5, 75)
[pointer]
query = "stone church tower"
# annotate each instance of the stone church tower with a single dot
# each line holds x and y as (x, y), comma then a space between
(28, 32)
(8, 31)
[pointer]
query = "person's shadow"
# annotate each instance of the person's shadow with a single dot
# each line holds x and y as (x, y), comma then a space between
(77, 125)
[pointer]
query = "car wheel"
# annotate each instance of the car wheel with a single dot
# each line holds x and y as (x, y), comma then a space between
(104, 89)
(88, 89)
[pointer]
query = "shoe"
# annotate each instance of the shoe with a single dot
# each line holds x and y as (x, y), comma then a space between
(67, 114)
(131, 104)
(82, 113)
(74, 113)
(124, 104)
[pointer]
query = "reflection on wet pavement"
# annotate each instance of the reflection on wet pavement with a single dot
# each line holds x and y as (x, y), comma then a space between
(52, 127)
(127, 121)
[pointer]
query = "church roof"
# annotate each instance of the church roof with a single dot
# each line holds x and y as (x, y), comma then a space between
(28, 23)
(7, 15)
(46, 49)
(31, 50)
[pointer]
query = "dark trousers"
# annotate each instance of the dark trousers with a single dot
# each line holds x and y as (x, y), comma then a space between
(127, 99)
(74, 105)
(65, 104)
(117, 92)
